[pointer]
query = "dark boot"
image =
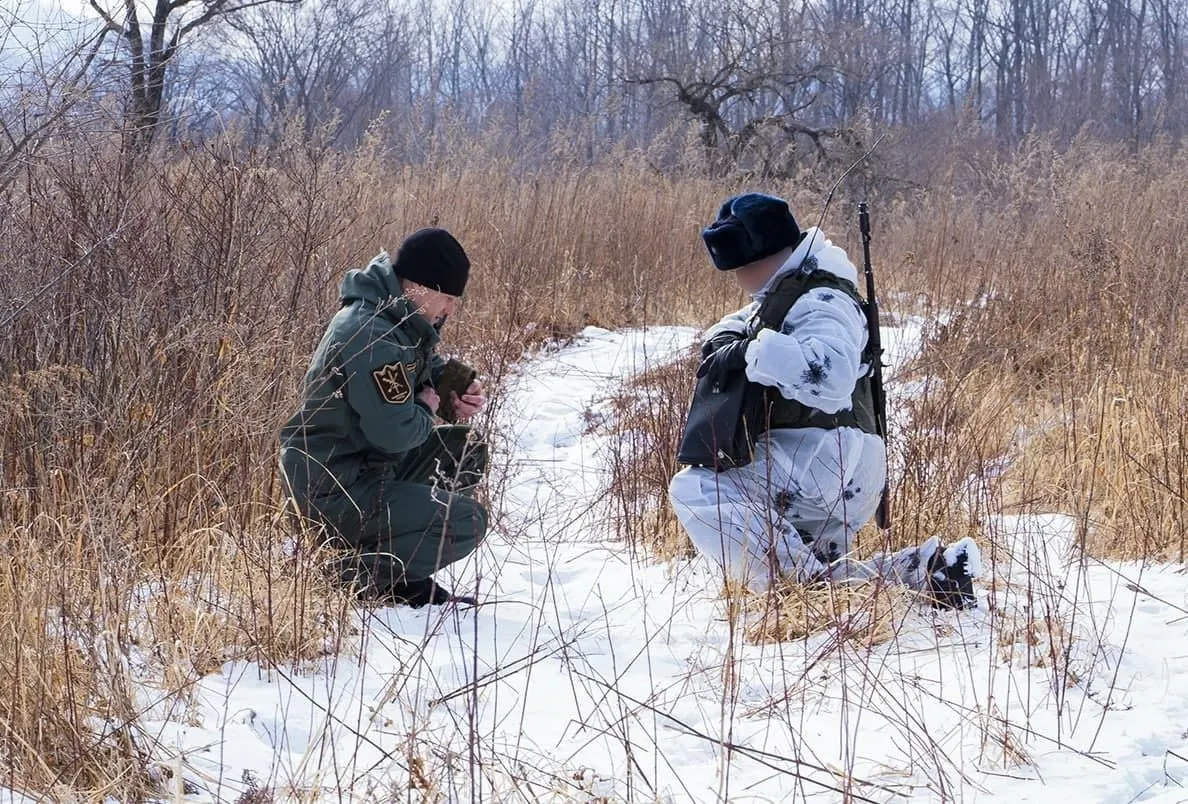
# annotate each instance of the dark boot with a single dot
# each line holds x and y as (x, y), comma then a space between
(950, 575)
(425, 592)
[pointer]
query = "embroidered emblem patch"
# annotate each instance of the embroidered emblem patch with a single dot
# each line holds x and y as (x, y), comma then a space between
(394, 381)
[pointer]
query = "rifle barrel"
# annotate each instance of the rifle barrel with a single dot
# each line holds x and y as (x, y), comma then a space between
(883, 516)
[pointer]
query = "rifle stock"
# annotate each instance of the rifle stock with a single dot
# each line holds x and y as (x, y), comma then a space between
(875, 345)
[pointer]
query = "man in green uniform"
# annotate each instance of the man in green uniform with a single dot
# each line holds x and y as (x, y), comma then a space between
(365, 455)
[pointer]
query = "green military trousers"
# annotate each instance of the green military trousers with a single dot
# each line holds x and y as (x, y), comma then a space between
(405, 521)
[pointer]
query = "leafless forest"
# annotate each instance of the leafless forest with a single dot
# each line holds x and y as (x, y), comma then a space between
(765, 88)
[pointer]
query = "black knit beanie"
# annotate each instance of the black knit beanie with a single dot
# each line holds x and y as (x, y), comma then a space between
(433, 258)
(750, 227)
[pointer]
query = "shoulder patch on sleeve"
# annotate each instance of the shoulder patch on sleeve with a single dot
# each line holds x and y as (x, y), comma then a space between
(394, 381)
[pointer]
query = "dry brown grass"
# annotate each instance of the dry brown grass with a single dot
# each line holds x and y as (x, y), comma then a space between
(1075, 335)
(866, 615)
(1037, 640)
(1117, 459)
(648, 417)
(950, 434)
(165, 320)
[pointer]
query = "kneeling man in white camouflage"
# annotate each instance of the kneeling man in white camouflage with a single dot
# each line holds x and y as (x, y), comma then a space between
(816, 473)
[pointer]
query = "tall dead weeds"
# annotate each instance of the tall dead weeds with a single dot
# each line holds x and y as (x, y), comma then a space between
(160, 323)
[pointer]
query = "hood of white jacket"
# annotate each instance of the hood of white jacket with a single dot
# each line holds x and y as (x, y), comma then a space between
(814, 247)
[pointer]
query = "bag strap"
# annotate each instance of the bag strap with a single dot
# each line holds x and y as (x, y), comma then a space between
(776, 304)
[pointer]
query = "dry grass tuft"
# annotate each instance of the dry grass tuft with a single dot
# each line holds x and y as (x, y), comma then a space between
(952, 434)
(662, 535)
(1116, 457)
(648, 419)
(866, 615)
(1037, 639)
(263, 596)
(1071, 332)
(62, 637)
(1003, 745)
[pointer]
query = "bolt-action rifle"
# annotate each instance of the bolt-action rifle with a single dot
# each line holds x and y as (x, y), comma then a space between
(875, 349)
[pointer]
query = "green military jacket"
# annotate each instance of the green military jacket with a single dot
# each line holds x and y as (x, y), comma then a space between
(359, 407)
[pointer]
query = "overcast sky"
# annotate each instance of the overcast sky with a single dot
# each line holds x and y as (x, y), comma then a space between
(34, 34)
(50, 9)
(36, 14)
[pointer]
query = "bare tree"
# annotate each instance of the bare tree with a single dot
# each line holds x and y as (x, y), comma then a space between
(331, 63)
(149, 57)
(1171, 21)
(749, 92)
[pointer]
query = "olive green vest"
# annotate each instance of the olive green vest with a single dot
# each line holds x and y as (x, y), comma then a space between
(788, 413)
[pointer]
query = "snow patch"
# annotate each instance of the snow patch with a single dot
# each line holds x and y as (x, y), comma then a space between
(968, 548)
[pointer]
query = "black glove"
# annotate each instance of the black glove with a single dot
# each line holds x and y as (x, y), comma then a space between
(718, 341)
(728, 357)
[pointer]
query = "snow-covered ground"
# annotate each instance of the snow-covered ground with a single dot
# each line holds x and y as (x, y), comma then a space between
(596, 672)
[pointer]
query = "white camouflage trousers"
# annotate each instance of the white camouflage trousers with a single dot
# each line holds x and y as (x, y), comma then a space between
(794, 511)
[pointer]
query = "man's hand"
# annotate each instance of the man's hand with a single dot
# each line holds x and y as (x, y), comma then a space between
(718, 341)
(471, 402)
(728, 357)
(428, 397)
